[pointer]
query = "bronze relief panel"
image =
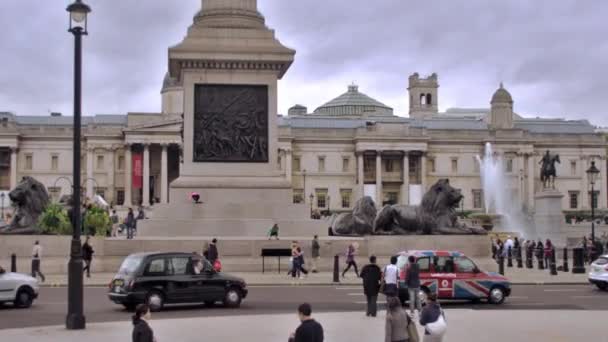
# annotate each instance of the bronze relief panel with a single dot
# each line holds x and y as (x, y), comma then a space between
(230, 123)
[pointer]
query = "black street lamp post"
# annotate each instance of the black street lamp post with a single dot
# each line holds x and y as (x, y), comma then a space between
(75, 319)
(592, 175)
(2, 195)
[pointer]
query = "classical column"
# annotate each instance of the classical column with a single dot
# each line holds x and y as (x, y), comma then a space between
(164, 176)
(111, 156)
(601, 186)
(360, 174)
(531, 177)
(379, 179)
(423, 173)
(89, 181)
(146, 183)
(405, 187)
(14, 151)
(583, 199)
(288, 171)
(128, 176)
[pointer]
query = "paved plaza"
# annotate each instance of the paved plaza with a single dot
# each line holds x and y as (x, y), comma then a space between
(464, 325)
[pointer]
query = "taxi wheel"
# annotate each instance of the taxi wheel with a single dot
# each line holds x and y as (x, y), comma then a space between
(155, 301)
(497, 295)
(602, 286)
(233, 298)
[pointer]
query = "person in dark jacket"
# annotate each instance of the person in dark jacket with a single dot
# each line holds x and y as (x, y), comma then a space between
(87, 256)
(430, 314)
(412, 280)
(130, 223)
(371, 275)
(141, 330)
(316, 253)
(212, 253)
(309, 330)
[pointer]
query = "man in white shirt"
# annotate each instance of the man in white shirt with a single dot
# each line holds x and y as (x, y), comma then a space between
(36, 256)
(390, 276)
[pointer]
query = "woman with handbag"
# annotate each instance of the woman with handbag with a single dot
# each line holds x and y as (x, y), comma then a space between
(433, 320)
(399, 327)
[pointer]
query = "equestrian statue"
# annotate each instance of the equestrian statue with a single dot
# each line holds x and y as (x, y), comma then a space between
(547, 170)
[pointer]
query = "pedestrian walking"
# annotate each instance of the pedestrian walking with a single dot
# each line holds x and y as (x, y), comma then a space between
(433, 320)
(309, 329)
(130, 223)
(212, 252)
(301, 261)
(371, 275)
(295, 262)
(494, 247)
(114, 220)
(316, 253)
(350, 260)
(141, 328)
(87, 256)
(390, 277)
(397, 322)
(412, 280)
(36, 258)
(273, 232)
(548, 252)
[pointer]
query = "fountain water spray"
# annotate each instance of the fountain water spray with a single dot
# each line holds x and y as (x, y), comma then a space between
(498, 199)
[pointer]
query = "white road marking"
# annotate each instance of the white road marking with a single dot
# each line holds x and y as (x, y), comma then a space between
(584, 296)
(518, 297)
(350, 288)
(521, 304)
(356, 294)
(379, 302)
(561, 290)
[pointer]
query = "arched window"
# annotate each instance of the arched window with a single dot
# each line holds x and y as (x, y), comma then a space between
(423, 99)
(429, 99)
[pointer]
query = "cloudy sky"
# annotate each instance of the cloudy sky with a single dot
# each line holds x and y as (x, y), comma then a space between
(552, 55)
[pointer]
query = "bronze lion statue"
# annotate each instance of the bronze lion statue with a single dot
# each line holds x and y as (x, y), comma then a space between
(359, 222)
(30, 198)
(436, 214)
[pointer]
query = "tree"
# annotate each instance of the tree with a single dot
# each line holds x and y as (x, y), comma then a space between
(97, 222)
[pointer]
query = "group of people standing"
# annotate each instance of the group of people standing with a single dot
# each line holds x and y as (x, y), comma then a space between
(400, 326)
(539, 250)
(129, 222)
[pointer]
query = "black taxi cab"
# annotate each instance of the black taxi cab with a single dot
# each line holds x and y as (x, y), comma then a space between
(158, 279)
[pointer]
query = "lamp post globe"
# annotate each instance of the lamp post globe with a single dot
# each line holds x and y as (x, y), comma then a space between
(592, 175)
(75, 320)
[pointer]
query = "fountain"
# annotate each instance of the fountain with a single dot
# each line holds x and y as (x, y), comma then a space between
(497, 198)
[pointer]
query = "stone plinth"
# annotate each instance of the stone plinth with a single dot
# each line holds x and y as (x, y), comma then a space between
(548, 215)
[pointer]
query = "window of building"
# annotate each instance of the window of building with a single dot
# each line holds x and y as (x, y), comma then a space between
(509, 166)
(120, 197)
(389, 165)
(321, 164)
(415, 170)
(29, 162)
(475, 165)
(100, 162)
(573, 195)
(593, 198)
(321, 197)
(431, 166)
(279, 166)
(54, 192)
(121, 162)
(477, 199)
(54, 163)
(390, 198)
(454, 165)
(573, 168)
(345, 164)
(298, 196)
(296, 164)
(346, 195)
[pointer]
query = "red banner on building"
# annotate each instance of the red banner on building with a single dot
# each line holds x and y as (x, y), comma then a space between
(138, 170)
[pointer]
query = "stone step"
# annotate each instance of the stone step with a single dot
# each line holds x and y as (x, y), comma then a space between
(253, 210)
(230, 227)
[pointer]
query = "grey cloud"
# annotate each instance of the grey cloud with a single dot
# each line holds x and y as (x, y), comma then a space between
(550, 54)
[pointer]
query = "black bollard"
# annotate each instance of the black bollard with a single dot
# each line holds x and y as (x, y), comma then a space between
(566, 269)
(14, 263)
(501, 265)
(520, 262)
(509, 257)
(541, 259)
(529, 258)
(578, 261)
(552, 263)
(336, 268)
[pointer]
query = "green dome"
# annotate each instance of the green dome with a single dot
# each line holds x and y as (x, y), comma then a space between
(353, 103)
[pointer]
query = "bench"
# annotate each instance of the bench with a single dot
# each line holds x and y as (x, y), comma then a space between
(274, 252)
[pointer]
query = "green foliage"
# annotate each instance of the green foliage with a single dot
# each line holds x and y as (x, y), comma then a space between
(97, 222)
(483, 218)
(54, 220)
(464, 214)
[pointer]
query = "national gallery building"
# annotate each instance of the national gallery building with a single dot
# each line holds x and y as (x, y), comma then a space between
(332, 155)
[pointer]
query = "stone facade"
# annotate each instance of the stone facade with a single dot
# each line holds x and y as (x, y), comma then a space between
(328, 158)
